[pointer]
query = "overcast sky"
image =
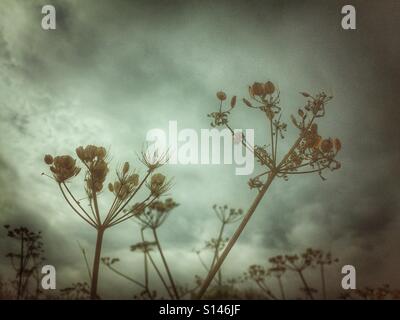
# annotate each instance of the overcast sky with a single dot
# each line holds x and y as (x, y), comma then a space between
(113, 70)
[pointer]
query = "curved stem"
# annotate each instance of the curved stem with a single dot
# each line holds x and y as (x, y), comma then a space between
(73, 208)
(171, 280)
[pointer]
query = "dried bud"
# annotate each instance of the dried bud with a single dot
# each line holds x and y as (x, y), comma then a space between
(48, 159)
(257, 89)
(247, 102)
(101, 152)
(305, 94)
(233, 101)
(338, 144)
(111, 187)
(326, 145)
(221, 95)
(125, 168)
(269, 88)
(133, 179)
(158, 179)
(80, 152)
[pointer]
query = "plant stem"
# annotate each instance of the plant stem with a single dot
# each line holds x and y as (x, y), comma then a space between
(96, 263)
(323, 281)
(281, 288)
(160, 275)
(235, 236)
(306, 287)
(20, 266)
(165, 264)
(221, 231)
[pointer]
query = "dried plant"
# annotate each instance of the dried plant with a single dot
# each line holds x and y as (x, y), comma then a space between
(124, 189)
(310, 153)
(383, 292)
(26, 261)
(151, 218)
(77, 291)
(226, 216)
(297, 263)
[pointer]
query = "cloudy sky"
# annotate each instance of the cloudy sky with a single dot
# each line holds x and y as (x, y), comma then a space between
(113, 70)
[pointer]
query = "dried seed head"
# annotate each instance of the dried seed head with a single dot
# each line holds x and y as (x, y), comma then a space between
(269, 88)
(221, 95)
(48, 159)
(101, 152)
(158, 179)
(64, 168)
(257, 89)
(326, 145)
(133, 179)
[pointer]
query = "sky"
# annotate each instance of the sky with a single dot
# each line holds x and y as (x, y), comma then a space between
(113, 70)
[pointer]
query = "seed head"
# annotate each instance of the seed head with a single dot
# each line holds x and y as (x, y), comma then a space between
(269, 88)
(221, 95)
(48, 159)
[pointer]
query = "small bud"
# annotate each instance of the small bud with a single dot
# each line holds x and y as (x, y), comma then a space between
(258, 89)
(125, 168)
(111, 187)
(305, 94)
(338, 144)
(48, 159)
(326, 145)
(221, 95)
(247, 102)
(233, 101)
(269, 87)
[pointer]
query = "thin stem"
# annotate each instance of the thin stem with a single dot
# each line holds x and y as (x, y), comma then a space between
(171, 280)
(306, 287)
(221, 231)
(86, 261)
(281, 288)
(126, 277)
(77, 202)
(323, 281)
(73, 208)
(272, 142)
(20, 266)
(160, 275)
(96, 263)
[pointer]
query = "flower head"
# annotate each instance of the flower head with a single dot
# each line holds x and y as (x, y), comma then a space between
(63, 167)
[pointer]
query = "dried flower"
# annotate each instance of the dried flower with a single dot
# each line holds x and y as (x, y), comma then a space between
(221, 95)
(48, 159)
(269, 88)
(125, 169)
(64, 168)
(257, 89)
